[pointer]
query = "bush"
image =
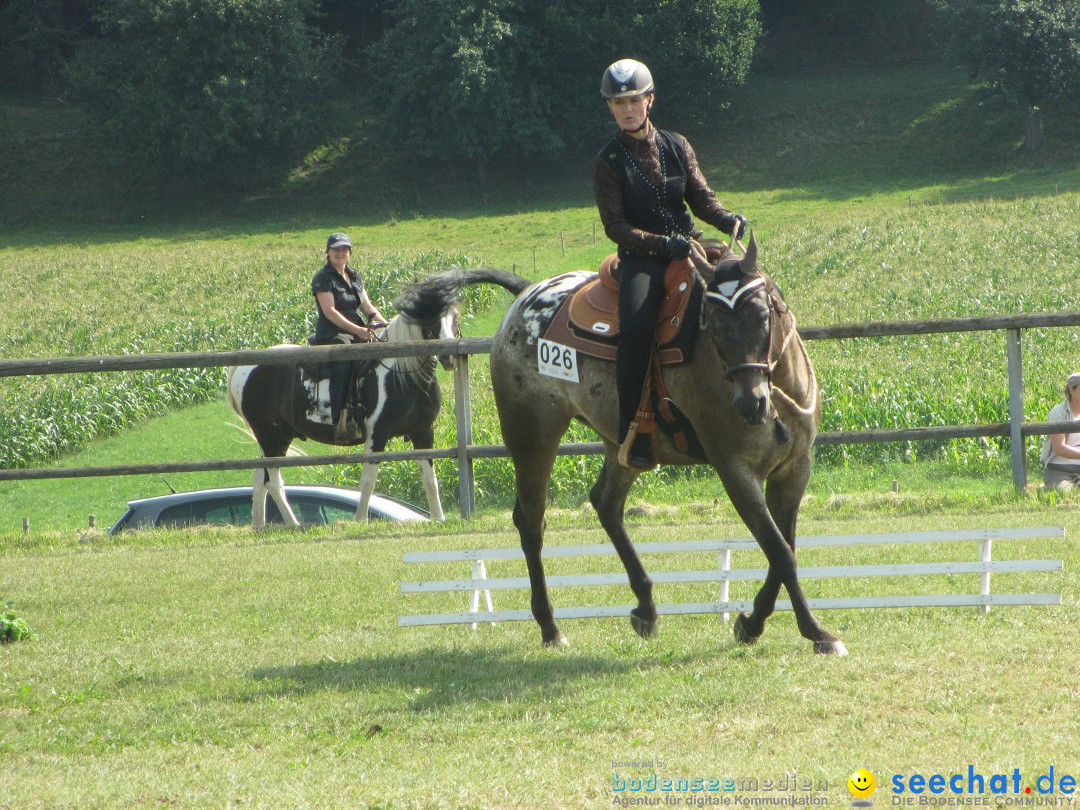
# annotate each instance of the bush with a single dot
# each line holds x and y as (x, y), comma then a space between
(218, 88)
(12, 628)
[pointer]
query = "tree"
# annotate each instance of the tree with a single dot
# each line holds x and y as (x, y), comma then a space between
(37, 37)
(1028, 50)
(215, 88)
(482, 77)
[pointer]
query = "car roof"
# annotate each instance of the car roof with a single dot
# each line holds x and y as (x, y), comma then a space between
(385, 502)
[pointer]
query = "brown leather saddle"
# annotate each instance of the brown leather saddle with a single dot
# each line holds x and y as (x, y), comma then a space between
(589, 319)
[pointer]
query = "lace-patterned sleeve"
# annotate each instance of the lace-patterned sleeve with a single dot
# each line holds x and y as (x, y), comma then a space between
(610, 204)
(701, 199)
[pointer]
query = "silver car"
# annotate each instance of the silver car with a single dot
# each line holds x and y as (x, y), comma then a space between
(313, 505)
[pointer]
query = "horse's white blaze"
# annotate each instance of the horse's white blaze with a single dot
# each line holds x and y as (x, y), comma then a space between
(540, 303)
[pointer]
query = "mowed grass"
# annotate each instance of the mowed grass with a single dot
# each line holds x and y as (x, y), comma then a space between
(236, 669)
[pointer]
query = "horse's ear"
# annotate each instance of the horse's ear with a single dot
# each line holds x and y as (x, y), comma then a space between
(749, 261)
(701, 263)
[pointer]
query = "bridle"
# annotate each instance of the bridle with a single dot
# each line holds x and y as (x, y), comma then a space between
(728, 302)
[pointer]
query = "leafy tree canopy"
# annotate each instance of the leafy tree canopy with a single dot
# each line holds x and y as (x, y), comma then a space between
(1029, 50)
(214, 87)
(481, 77)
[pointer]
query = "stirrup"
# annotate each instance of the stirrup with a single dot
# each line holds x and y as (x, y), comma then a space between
(632, 455)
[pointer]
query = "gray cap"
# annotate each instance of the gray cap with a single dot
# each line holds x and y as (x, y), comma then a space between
(1074, 379)
(338, 240)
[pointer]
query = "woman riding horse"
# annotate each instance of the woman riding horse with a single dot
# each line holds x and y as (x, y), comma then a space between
(644, 179)
(342, 304)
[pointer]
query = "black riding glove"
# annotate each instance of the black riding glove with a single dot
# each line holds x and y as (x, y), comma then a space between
(729, 222)
(676, 248)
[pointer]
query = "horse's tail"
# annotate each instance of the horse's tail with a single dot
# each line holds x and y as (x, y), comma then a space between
(489, 275)
(437, 294)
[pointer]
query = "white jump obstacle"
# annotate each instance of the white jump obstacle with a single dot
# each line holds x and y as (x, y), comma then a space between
(723, 574)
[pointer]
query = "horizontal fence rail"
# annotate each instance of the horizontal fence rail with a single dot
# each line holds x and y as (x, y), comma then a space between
(466, 452)
(480, 584)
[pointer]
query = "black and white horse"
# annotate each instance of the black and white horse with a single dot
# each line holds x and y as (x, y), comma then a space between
(280, 402)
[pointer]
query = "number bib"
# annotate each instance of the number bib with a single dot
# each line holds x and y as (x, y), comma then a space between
(556, 360)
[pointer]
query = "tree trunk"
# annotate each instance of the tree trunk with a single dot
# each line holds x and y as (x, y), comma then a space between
(1033, 131)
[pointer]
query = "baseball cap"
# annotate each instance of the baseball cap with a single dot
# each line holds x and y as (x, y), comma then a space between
(338, 240)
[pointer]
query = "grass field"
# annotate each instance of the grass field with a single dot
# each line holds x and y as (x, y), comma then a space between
(231, 669)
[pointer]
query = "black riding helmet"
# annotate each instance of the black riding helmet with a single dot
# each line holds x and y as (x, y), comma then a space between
(627, 77)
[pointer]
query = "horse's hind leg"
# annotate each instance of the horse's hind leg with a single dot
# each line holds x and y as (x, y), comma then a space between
(608, 497)
(276, 487)
(258, 497)
(532, 448)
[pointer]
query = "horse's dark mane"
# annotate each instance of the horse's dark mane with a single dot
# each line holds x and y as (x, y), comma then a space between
(430, 299)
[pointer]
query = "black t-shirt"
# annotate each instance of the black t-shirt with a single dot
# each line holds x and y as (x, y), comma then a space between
(347, 298)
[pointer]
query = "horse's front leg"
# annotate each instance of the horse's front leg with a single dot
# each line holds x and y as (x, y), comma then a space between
(431, 487)
(367, 486)
(748, 499)
(608, 497)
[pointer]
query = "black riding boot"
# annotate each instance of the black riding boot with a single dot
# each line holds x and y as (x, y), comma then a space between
(345, 427)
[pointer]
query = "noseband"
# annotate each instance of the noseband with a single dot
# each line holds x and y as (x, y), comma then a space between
(729, 295)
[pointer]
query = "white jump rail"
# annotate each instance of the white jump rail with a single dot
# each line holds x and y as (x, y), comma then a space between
(723, 574)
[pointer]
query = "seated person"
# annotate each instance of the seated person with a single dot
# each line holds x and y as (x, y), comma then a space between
(1061, 452)
(343, 304)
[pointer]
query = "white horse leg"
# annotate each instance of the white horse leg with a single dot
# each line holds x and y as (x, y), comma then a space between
(431, 487)
(276, 486)
(258, 498)
(367, 486)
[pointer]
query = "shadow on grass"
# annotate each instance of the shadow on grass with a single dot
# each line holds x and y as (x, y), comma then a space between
(441, 677)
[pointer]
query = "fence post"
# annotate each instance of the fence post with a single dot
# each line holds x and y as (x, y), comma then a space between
(725, 582)
(985, 547)
(463, 408)
(1016, 410)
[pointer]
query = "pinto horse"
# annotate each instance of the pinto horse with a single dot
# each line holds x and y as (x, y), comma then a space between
(748, 391)
(281, 402)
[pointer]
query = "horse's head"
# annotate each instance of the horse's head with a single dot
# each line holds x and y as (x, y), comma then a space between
(447, 327)
(739, 308)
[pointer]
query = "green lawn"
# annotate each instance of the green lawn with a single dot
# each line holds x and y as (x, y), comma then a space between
(229, 669)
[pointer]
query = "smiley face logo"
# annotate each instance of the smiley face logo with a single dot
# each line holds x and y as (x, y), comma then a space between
(861, 783)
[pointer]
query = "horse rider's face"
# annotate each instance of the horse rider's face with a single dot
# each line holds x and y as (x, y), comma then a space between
(339, 256)
(630, 112)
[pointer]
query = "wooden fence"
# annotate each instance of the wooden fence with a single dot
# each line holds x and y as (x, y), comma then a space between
(1016, 429)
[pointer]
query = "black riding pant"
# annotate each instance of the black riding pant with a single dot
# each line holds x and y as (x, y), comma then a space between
(641, 289)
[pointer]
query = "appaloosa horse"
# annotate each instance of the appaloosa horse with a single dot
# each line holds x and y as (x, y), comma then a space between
(751, 398)
(400, 397)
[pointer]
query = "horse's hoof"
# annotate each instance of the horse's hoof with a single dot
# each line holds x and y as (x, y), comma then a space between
(646, 628)
(742, 635)
(830, 647)
(556, 643)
